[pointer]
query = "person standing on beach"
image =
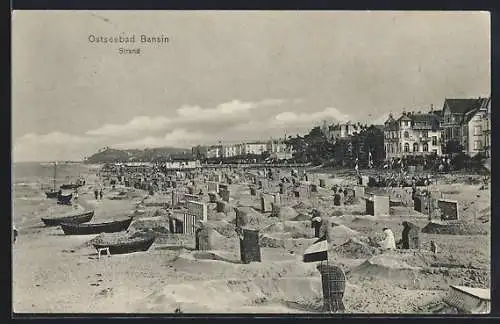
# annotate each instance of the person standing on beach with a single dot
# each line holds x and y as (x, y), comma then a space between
(389, 243)
(96, 194)
(100, 194)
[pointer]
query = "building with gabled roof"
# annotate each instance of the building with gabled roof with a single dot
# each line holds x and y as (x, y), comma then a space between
(476, 129)
(454, 117)
(412, 134)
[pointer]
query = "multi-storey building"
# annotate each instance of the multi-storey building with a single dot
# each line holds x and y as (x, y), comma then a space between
(254, 148)
(476, 129)
(341, 130)
(229, 150)
(412, 134)
(277, 148)
(199, 151)
(454, 118)
(214, 151)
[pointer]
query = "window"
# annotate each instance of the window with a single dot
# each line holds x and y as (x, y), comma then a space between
(425, 147)
(400, 147)
(477, 130)
(477, 145)
(434, 140)
(425, 134)
(407, 147)
(407, 134)
(415, 147)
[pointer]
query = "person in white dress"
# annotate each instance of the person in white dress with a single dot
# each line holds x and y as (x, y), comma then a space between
(389, 242)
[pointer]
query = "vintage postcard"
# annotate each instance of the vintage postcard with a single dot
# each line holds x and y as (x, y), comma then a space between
(251, 162)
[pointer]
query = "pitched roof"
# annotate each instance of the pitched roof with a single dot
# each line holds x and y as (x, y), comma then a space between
(390, 120)
(461, 106)
(425, 121)
(470, 114)
(419, 118)
(404, 117)
(486, 102)
(438, 113)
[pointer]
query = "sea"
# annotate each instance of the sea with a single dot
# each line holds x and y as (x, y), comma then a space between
(30, 180)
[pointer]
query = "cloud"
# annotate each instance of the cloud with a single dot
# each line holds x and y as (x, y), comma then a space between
(187, 117)
(179, 138)
(134, 126)
(53, 146)
(381, 120)
(291, 118)
(230, 122)
(228, 108)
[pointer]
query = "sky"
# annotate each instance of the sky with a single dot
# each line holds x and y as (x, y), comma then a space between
(230, 76)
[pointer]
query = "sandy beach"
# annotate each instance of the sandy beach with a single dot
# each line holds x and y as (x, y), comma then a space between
(54, 272)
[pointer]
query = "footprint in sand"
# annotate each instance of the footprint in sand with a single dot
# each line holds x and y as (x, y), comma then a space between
(105, 292)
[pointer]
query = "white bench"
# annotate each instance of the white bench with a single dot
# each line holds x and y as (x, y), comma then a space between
(101, 250)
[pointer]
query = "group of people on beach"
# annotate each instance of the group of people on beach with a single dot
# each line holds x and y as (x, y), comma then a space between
(98, 194)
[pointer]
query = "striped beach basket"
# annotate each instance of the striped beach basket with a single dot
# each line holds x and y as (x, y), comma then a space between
(469, 300)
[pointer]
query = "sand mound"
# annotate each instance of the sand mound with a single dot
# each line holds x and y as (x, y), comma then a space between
(214, 215)
(364, 220)
(302, 205)
(454, 229)
(253, 218)
(341, 234)
(387, 267)
(213, 255)
(276, 240)
(288, 213)
(120, 237)
(219, 241)
(224, 228)
(245, 200)
(295, 229)
(157, 200)
(230, 294)
(355, 249)
(158, 225)
(274, 228)
(302, 217)
(160, 212)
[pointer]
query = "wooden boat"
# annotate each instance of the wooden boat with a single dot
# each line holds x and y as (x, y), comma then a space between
(70, 186)
(84, 229)
(75, 219)
(52, 194)
(133, 245)
(65, 199)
